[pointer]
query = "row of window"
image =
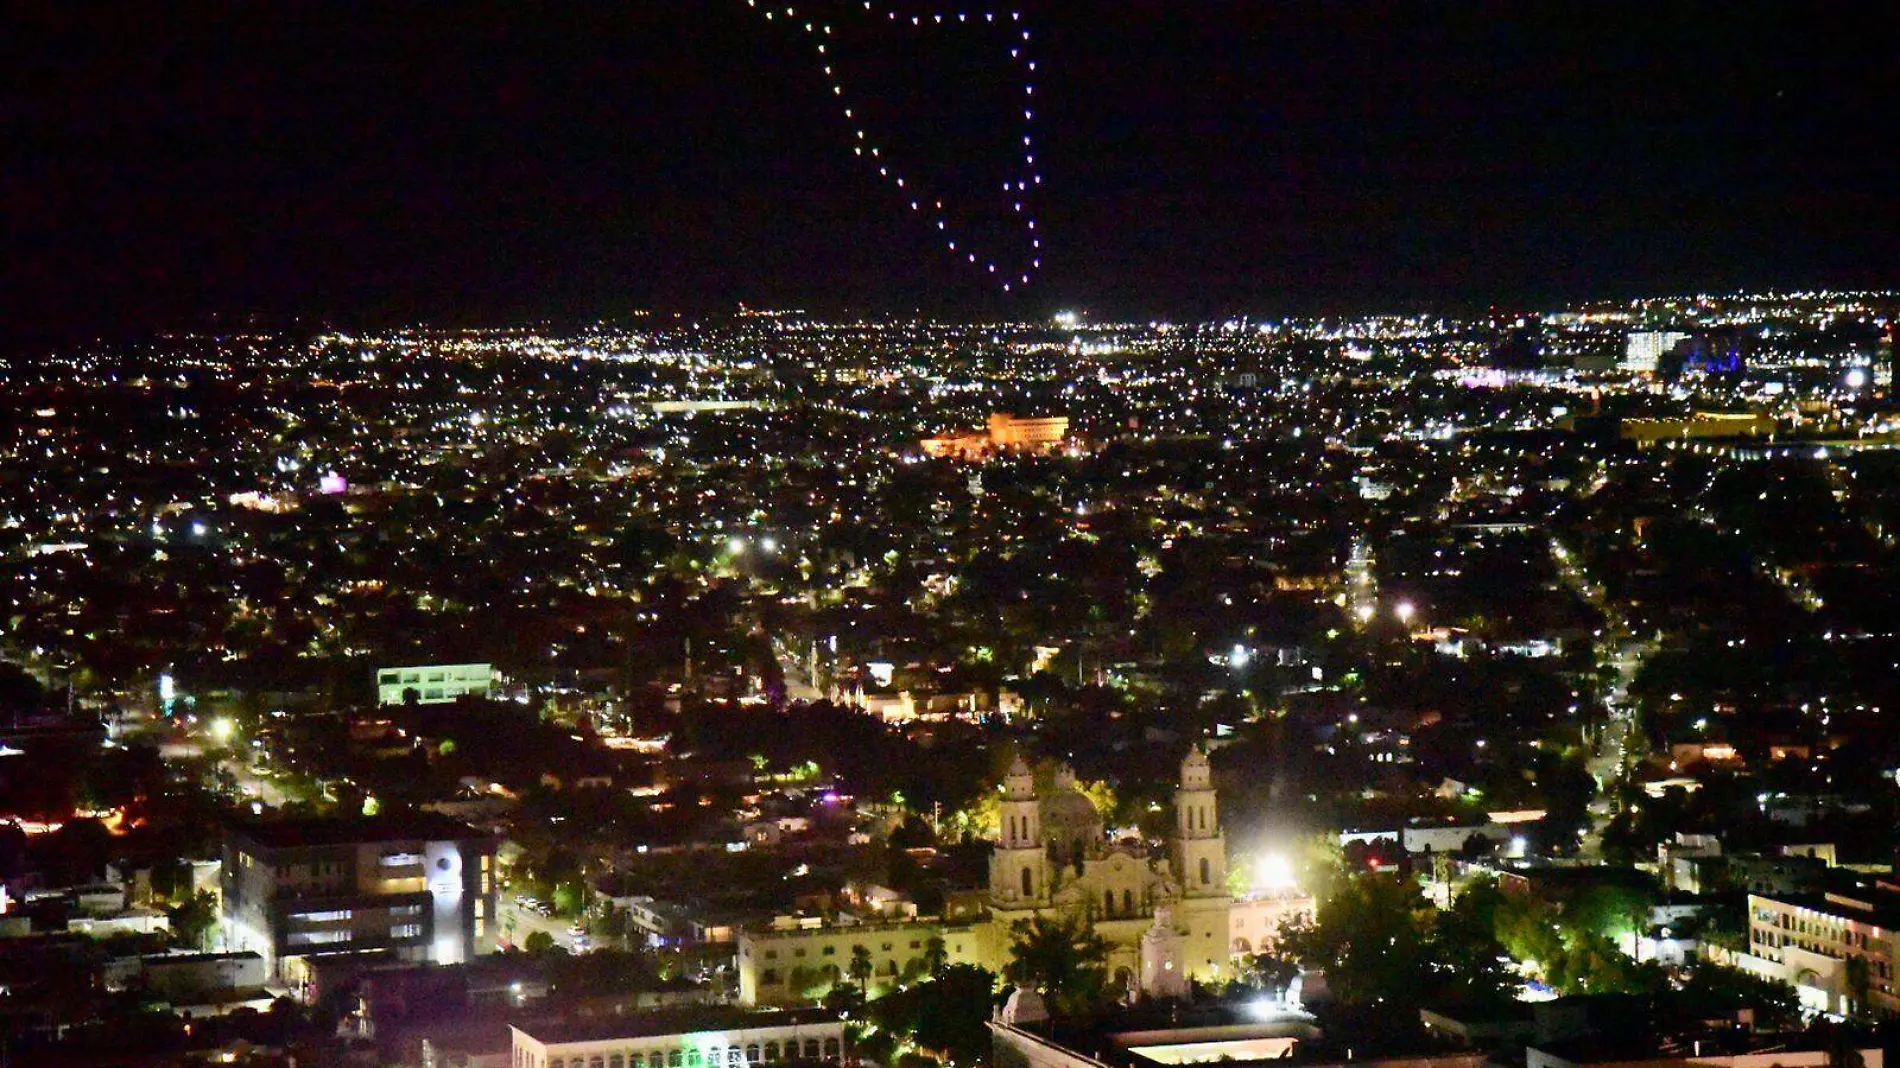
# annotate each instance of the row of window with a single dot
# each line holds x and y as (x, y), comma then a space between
(832, 951)
(694, 1057)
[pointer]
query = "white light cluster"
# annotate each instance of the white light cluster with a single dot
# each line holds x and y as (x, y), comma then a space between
(1017, 189)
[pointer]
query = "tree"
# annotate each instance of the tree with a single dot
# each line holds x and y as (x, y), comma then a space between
(193, 919)
(1368, 940)
(936, 958)
(1062, 959)
(860, 970)
(538, 942)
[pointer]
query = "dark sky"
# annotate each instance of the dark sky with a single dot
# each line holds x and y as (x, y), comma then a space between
(473, 161)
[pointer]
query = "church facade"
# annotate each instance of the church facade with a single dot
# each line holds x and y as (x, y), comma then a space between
(1166, 919)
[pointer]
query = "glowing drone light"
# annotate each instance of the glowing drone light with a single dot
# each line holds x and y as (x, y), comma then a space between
(890, 171)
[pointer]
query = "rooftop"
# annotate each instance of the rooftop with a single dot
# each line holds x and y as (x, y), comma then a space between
(326, 831)
(672, 1022)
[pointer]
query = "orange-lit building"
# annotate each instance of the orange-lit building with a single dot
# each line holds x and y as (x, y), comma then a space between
(1005, 434)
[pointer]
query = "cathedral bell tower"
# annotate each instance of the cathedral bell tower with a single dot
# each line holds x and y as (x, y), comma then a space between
(1200, 848)
(1019, 866)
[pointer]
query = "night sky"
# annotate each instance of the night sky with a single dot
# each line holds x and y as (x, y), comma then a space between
(471, 162)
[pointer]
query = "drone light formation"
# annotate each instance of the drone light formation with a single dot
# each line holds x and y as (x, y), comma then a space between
(1017, 189)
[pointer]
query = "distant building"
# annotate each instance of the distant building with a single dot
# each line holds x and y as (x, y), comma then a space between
(433, 684)
(694, 1038)
(1644, 349)
(418, 888)
(1005, 434)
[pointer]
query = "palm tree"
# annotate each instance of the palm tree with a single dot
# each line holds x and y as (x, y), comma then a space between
(936, 958)
(861, 968)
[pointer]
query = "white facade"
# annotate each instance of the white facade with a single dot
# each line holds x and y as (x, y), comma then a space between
(1645, 348)
(691, 1041)
(433, 684)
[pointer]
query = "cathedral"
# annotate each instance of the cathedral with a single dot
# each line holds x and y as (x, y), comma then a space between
(1166, 919)
(1052, 857)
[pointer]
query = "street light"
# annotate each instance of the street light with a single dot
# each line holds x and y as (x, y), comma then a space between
(1404, 610)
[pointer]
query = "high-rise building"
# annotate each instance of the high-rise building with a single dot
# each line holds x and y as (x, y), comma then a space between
(1644, 349)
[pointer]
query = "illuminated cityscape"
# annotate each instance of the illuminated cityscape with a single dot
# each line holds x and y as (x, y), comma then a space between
(842, 534)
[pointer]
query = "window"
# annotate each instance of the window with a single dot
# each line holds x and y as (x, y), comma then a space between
(1028, 886)
(636, 1060)
(771, 1051)
(557, 1063)
(1128, 902)
(735, 1055)
(1108, 901)
(616, 1061)
(331, 916)
(771, 954)
(672, 1058)
(692, 1058)
(317, 938)
(752, 1053)
(831, 1048)
(811, 1049)
(831, 951)
(596, 1063)
(769, 977)
(406, 930)
(399, 860)
(400, 912)
(1205, 877)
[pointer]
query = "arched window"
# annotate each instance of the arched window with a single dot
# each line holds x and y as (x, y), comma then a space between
(557, 1063)
(1206, 877)
(1128, 902)
(1012, 830)
(831, 1049)
(636, 1060)
(735, 1055)
(752, 1053)
(1241, 946)
(771, 1051)
(672, 1058)
(811, 1049)
(616, 1061)
(1029, 887)
(1108, 902)
(597, 1062)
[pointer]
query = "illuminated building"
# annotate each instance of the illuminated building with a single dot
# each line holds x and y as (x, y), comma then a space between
(1646, 348)
(433, 684)
(1809, 940)
(419, 888)
(1700, 426)
(693, 1038)
(1005, 433)
(1054, 859)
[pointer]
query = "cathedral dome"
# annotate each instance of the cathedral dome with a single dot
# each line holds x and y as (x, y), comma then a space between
(1068, 816)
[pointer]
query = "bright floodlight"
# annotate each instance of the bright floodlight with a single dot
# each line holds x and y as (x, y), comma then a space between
(1405, 610)
(735, 546)
(222, 728)
(1274, 872)
(1364, 612)
(1239, 656)
(1856, 379)
(769, 544)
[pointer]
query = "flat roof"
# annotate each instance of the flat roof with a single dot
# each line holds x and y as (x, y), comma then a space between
(332, 830)
(673, 1022)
